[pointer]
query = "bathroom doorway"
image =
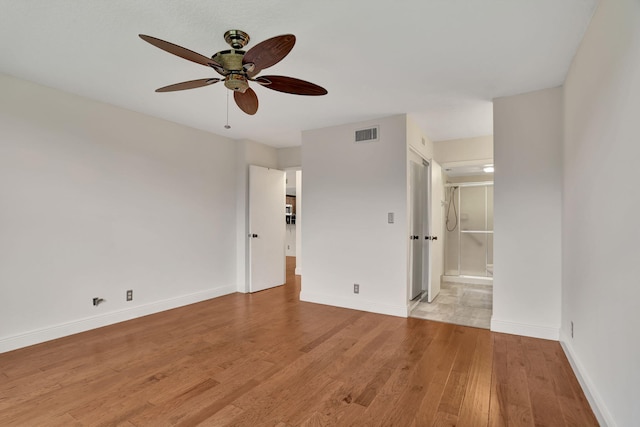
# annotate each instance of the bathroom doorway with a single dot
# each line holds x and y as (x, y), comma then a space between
(466, 295)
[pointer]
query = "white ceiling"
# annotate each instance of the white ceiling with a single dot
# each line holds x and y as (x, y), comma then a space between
(441, 61)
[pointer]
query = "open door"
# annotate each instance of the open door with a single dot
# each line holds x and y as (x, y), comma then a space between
(267, 262)
(436, 233)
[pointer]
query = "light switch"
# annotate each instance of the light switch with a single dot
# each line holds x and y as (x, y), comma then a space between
(390, 217)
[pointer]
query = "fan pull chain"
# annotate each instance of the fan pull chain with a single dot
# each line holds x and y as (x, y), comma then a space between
(227, 125)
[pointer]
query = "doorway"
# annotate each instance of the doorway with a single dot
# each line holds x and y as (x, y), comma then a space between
(274, 224)
(466, 296)
(425, 228)
(293, 208)
(267, 262)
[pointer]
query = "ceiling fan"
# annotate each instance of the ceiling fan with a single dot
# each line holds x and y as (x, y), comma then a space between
(238, 67)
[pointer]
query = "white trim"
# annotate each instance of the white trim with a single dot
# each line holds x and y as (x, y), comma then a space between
(355, 303)
(471, 280)
(298, 271)
(469, 184)
(463, 163)
(81, 325)
(414, 302)
(527, 330)
(590, 391)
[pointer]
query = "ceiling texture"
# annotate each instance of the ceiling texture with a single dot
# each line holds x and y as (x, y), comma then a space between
(440, 61)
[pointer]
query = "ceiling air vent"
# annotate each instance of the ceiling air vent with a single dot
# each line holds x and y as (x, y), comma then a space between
(367, 135)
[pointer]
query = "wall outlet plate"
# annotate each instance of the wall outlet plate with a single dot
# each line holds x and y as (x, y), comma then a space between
(130, 295)
(356, 288)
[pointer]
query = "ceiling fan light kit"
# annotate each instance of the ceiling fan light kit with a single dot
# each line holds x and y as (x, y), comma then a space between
(239, 67)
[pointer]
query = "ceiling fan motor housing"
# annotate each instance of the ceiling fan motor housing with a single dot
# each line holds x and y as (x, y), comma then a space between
(234, 72)
(236, 82)
(231, 60)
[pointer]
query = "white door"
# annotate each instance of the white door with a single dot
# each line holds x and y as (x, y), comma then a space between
(416, 228)
(436, 231)
(266, 228)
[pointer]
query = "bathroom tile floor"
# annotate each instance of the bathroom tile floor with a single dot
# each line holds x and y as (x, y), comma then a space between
(459, 303)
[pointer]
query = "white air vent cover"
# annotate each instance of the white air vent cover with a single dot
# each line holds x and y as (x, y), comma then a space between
(368, 135)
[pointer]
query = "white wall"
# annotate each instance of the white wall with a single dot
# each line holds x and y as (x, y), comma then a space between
(247, 153)
(348, 190)
(601, 289)
(418, 140)
(527, 212)
(289, 157)
(466, 149)
(291, 181)
(97, 200)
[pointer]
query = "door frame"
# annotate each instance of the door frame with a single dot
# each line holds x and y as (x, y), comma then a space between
(413, 156)
(427, 251)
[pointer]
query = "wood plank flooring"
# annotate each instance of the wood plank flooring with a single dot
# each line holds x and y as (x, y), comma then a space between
(268, 359)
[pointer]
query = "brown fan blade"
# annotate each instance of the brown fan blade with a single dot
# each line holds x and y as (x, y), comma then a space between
(247, 101)
(191, 84)
(291, 85)
(269, 52)
(180, 51)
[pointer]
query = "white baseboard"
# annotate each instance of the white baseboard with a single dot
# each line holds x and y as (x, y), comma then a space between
(360, 304)
(81, 325)
(597, 404)
(527, 330)
(298, 271)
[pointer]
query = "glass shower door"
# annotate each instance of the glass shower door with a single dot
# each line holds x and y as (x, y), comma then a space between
(469, 244)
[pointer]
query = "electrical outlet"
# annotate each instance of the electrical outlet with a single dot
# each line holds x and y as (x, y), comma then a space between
(572, 329)
(130, 295)
(390, 218)
(356, 288)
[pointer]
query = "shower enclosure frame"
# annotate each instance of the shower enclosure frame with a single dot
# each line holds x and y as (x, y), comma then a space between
(460, 231)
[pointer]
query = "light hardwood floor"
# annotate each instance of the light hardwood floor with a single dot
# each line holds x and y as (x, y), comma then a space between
(269, 359)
